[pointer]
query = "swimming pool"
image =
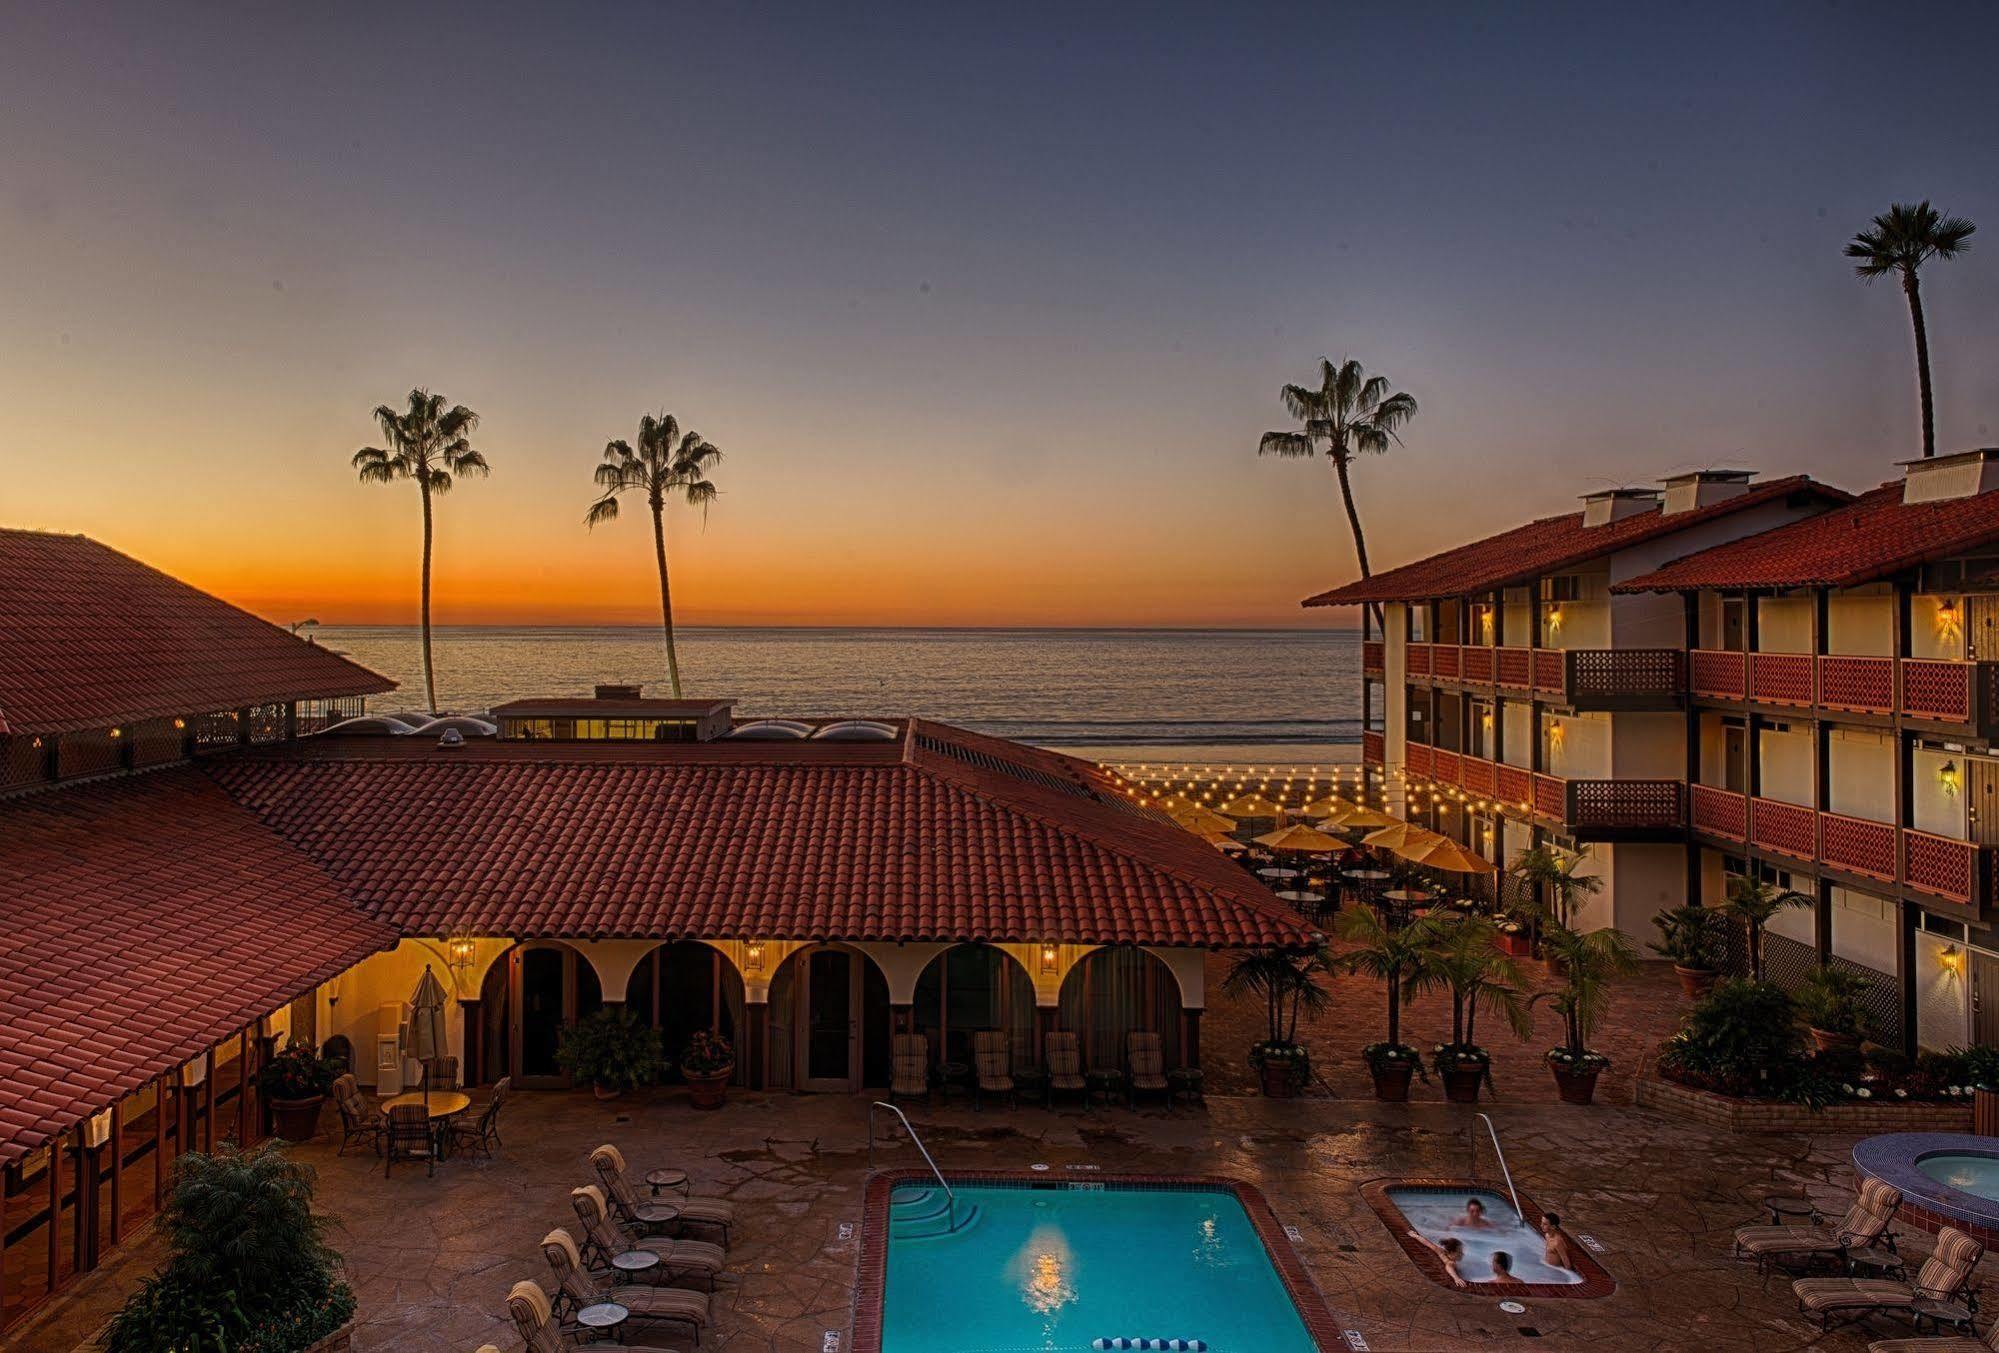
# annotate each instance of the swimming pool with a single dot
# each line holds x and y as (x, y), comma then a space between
(1055, 1265)
(1431, 1206)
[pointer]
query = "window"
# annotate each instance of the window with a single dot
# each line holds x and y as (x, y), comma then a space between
(1566, 587)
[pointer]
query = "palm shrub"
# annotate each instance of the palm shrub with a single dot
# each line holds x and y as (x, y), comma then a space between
(1755, 904)
(1463, 959)
(1590, 964)
(248, 1268)
(1401, 959)
(612, 1050)
(1740, 1038)
(1687, 937)
(1289, 984)
(1552, 885)
(1829, 1000)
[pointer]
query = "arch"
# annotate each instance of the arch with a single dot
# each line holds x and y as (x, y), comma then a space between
(1116, 991)
(971, 987)
(530, 993)
(829, 1020)
(683, 986)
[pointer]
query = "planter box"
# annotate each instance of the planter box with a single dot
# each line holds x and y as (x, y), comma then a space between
(1766, 1115)
(337, 1342)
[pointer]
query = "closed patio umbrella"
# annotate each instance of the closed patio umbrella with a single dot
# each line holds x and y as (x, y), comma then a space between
(427, 1024)
(1301, 838)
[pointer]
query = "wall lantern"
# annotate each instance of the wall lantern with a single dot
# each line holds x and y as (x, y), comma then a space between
(1950, 621)
(1556, 733)
(460, 951)
(1048, 957)
(1485, 720)
(117, 733)
(753, 957)
(1951, 959)
(1555, 620)
(1947, 777)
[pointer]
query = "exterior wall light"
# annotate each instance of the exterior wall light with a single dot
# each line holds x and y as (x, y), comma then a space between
(1048, 957)
(461, 951)
(1950, 621)
(1948, 779)
(753, 957)
(1951, 959)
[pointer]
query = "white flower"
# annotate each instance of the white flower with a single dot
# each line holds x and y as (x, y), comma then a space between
(1846, 1089)
(1863, 1093)
(1901, 1093)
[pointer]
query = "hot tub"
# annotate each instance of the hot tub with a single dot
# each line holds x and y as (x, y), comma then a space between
(1946, 1178)
(1428, 1206)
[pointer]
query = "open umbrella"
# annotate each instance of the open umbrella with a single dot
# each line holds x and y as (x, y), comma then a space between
(1448, 855)
(1252, 805)
(1301, 838)
(1359, 817)
(1329, 806)
(1202, 821)
(1401, 838)
(427, 1024)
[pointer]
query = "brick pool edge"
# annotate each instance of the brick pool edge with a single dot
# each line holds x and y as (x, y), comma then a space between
(871, 1278)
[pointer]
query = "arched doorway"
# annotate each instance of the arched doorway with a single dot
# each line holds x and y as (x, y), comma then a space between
(528, 997)
(681, 987)
(829, 1021)
(1114, 992)
(971, 987)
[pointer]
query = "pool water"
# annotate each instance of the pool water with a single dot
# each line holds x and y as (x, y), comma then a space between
(1052, 1269)
(1977, 1175)
(1432, 1213)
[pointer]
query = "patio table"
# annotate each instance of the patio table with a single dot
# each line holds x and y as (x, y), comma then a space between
(1105, 1084)
(444, 1106)
(1301, 895)
(667, 1177)
(1277, 872)
(603, 1315)
(632, 1263)
(1790, 1205)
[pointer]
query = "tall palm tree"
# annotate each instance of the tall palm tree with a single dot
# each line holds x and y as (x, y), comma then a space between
(667, 463)
(1756, 903)
(1556, 889)
(1402, 959)
(1350, 414)
(1902, 240)
(432, 445)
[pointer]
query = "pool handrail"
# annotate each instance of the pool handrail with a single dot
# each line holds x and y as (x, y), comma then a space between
(950, 1198)
(1494, 1134)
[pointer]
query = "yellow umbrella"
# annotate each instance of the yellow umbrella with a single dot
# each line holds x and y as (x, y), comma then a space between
(1222, 841)
(1202, 821)
(1446, 854)
(1300, 838)
(1329, 806)
(1252, 805)
(1364, 818)
(1402, 839)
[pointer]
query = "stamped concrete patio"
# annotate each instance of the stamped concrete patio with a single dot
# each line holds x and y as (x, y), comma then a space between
(432, 1258)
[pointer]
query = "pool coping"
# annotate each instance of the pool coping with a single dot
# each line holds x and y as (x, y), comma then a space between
(1896, 1158)
(1596, 1282)
(871, 1280)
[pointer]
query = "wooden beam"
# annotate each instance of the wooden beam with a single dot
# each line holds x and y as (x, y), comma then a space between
(160, 1142)
(117, 1169)
(243, 1086)
(208, 1101)
(55, 1209)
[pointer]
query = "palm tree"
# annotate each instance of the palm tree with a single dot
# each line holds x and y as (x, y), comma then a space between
(1557, 888)
(1287, 982)
(1755, 903)
(667, 464)
(1350, 414)
(1464, 958)
(1400, 958)
(1589, 964)
(432, 445)
(1902, 240)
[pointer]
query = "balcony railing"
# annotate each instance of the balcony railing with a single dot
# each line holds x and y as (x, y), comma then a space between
(1373, 749)
(1513, 668)
(1858, 846)
(1547, 668)
(1932, 689)
(1625, 805)
(1513, 784)
(1937, 864)
(1600, 806)
(1786, 828)
(1373, 658)
(1584, 678)
(1937, 690)
(1719, 812)
(1781, 678)
(1857, 685)
(1417, 758)
(1716, 673)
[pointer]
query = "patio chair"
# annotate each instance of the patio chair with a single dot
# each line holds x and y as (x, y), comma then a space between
(577, 1289)
(529, 1307)
(992, 1067)
(1063, 1053)
(483, 1133)
(604, 1236)
(1941, 1343)
(360, 1121)
(909, 1061)
(609, 1162)
(1865, 1223)
(409, 1138)
(1146, 1059)
(1944, 1276)
(440, 1073)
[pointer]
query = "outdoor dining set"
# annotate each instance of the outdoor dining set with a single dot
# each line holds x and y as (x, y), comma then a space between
(427, 1124)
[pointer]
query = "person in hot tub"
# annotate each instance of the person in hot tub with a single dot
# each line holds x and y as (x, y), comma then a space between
(1473, 1218)
(1451, 1250)
(1559, 1250)
(1502, 1270)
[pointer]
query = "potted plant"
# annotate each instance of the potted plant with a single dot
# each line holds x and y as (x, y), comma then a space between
(1510, 934)
(707, 1062)
(611, 1050)
(1289, 985)
(1688, 937)
(295, 1083)
(1401, 959)
(1828, 1001)
(1589, 964)
(1554, 888)
(247, 1268)
(1462, 958)
(1755, 903)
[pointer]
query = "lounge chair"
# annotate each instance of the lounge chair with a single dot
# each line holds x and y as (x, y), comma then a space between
(609, 1162)
(529, 1307)
(1941, 1343)
(1146, 1059)
(1944, 1276)
(1865, 1223)
(604, 1236)
(483, 1133)
(1063, 1053)
(360, 1121)
(409, 1137)
(909, 1062)
(992, 1067)
(577, 1289)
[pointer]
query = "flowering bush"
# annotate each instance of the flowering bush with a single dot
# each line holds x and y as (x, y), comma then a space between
(298, 1073)
(1386, 1056)
(1459, 1057)
(707, 1054)
(1562, 1059)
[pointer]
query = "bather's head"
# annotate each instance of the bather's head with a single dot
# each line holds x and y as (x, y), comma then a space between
(1502, 1264)
(1474, 1208)
(1550, 1223)
(1452, 1246)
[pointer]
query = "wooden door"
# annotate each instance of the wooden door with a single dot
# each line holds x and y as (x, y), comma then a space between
(1731, 624)
(1981, 788)
(1981, 628)
(1984, 999)
(828, 1023)
(1735, 759)
(549, 987)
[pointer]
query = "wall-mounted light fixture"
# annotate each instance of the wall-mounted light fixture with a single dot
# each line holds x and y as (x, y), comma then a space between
(1556, 733)
(460, 951)
(1951, 958)
(1948, 779)
(117, 733)
(753, 957)
(1485, 720)
(1554, 620)
(1048, 958)
(1950, 620)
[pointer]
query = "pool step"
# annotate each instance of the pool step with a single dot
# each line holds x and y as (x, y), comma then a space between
(939, 1220)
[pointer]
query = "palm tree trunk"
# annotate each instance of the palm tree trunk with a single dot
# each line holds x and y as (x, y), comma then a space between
(1359, 539)
(665, 596)
(429, 672)
(1395, 1010)
(1910, 287)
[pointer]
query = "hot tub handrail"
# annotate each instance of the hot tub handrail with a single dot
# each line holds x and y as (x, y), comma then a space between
(1494, 1134)
(950, 1198)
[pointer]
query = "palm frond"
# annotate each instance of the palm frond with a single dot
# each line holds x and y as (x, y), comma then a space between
(603, 510)
(1292, 444)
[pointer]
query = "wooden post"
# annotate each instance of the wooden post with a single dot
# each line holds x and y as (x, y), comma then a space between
(758, 1014)
(243, 1087)
(208, 1101)
(1190, 1039)
(117, 1169)
(160, 1142)
(55, 1209)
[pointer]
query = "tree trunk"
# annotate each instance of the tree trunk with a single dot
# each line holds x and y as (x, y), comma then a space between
(665, 595)
(1394, 1010)
(1910, 287)
(429, 672)
(1359, 538)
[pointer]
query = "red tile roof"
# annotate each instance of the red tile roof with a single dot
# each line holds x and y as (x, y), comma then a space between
(959, 838)
(142, 921)
(90, 638)
(1550, 545)
(1872, 537)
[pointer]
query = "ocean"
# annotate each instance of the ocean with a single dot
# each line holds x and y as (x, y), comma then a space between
(1208, 697)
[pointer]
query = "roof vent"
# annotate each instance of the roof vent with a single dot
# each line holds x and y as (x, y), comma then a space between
(606, 692)
(1702, 488)
(1609, 505)
(1965, 474)
(451, 737)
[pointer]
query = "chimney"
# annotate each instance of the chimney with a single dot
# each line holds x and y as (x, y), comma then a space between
(1699, 488)
(1609, 505)
(1965, 474)
(605, 692)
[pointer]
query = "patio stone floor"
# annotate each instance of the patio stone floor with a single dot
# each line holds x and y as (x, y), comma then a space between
(432, 1258)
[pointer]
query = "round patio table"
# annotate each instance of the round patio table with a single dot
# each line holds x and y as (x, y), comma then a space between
(1790, 1205)
(1277, 872)
(1301, 895)
(603, 1315)
(443, 1103)
(1104, 1084)
(632, 1263)
(666, 1178)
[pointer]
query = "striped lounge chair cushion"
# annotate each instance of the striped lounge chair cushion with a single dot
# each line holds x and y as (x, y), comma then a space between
(1786, 1240)
(1946, 1344)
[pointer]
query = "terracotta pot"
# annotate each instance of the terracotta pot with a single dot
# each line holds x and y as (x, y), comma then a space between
(1577, 1087)
(1515, 945)
(1695, 982)
(1277, 1081)
(1461, 1083)
(296, 1120)
(1391, 1082)
(709, 1090)
(605, 1091)
(1831, 1042)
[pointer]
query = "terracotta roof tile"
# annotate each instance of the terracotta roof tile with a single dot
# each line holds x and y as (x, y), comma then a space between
(90, 638)
(143, 920)
(1547, 546)
(1875, 535)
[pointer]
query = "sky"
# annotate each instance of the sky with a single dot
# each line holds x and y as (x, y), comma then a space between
(986, 306)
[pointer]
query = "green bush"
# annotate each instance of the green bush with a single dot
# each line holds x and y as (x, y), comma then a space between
(1736, 1038)
(1690, 938)
(611, 1049)
(298, 1073)
(1829, 1000)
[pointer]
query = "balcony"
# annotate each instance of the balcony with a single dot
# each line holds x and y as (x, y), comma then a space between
(1579, 678)
(1718, 812)
(1595, 810)
(1961, 694)
(1373, 658)
(1786, 828)
(1857, 846)
(1373, 749)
